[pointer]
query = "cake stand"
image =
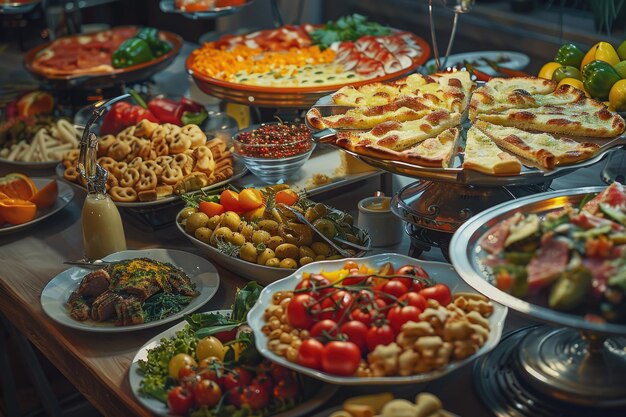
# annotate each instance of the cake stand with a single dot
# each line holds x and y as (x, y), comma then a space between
(572, 365)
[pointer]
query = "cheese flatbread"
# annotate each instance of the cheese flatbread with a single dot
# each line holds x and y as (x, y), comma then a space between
(540, 148)
(582, 119)
(483, 155)
(396, 136)
(433, 152)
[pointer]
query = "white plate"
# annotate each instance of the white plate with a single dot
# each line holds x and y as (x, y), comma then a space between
(66, 194)
(202, 273)
(516, 60)
(157, 407)
(440, 272)
(239, 171)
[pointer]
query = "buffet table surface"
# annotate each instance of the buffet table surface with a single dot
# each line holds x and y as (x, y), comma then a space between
(97, 364)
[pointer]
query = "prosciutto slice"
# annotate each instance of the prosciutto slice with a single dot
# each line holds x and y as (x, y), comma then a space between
(494, 239)
(548, 263)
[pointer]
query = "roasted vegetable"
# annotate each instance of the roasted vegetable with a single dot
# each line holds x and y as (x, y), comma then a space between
(524, 233)
(570, 289)
(151, 37)
(598, 78)
(131, 52)
(569, 55)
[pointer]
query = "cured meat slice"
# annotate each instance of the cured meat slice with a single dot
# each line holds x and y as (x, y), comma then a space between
(343, 51)
(364, 42)
(370, 68)
(614, 196)
(494, 239)
(389, 61)
(548, 263)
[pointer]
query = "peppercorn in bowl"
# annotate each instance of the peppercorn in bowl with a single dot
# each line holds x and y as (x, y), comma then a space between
(274, 151)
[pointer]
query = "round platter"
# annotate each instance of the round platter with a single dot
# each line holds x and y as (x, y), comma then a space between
(167, 6)
(66, 194)
(457, 174)
(106, 78)
(296, 97)
(439, 272)
(201, 272)
(324, 392)
(507, 59)
(466, 255)
(239, 171)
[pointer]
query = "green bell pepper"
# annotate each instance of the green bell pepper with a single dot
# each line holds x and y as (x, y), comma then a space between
(569, 55)
(598, 78)
(190, 118)
(131, 52)
(566, 71)
(157, 46)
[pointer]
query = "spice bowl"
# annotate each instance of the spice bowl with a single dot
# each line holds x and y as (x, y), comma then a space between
(273, 152)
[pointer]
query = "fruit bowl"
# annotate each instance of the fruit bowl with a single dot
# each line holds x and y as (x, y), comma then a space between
(273, 152)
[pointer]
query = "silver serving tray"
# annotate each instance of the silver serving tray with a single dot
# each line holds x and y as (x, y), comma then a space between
(167, 6)
(530, 174)
(466, 256)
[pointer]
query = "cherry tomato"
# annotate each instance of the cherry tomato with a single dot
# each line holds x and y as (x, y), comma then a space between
(233, 396)
(287, 197)
(335, 306)
(324, 328)
(286, 389)
(349, 265)
(399, 315)
(179, 361)
(363, 315)
(313, 282)
(186, 373)
(413, 299)
(415, 271)
(358, 279)
(211, 368)
(310, 353)
(179, 400)
(230, 200)
(407, 282)
(392, 290)
(255, 396)
(210, 208)
(379, 335)
(341, 358)
(265, 381)
(250, 198)
(279, 373)
(238, 377)
(356, 333)
(439, 292)
(206, 392)
(299, 311)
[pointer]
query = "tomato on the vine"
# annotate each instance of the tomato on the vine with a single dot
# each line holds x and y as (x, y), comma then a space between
(313, 283)
(356, 332)
(230, 200)
(238, 377)
(413, 299)
(379, 335)
(264, 380)
(415, 271)
(286, 389)
(394, 288)
(341, 358)
(299, 311)
(335, 306)
(206, 392)
(179, 400)
(310, 353)
(349, 265)
(255, 396)
(324, 328)
(233, 396)
(279, 373)
(439, 292)
(399, 315)
(186, 372)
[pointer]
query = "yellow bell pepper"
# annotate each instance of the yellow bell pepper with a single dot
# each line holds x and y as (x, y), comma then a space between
(548, 70)
(601, 51)
(617, 96)
(574, 83)
(334, 276)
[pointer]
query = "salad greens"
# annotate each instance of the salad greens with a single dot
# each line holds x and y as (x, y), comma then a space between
(347, 28)
(164, 305)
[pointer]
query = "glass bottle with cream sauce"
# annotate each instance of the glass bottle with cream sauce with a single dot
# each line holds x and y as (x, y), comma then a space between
(103, 232)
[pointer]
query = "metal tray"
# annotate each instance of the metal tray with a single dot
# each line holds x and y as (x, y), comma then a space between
(167, 6)
(466, 255)
(456, 173)
(289, 97)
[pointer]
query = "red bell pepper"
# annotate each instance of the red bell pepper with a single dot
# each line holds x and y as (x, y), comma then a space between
(123, 114)
(165, 110)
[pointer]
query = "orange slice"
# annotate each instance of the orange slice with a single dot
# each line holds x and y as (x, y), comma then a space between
(17, 211)
(3, 196)
(18, 186)
(47, 196)
(35, 102)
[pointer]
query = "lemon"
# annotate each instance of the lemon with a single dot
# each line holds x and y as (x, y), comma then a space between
(548, 70)
(574, 83)
(617, 96)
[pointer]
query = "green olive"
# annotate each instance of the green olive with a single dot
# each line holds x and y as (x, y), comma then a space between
(247, 230)
(288, 263)
(306, 260)
(306, 251)
(264, 256)
(248, 252)
(273, 262)
(333, 257)
(321, 248)
(231, 220)
(236, 239)
(214, 221)
(186, 212)
(203, 234)
(270, 226)
(274, 242)
(221, 233)
(260, 236)
(195, 221)
(320, 258)
(326, 227)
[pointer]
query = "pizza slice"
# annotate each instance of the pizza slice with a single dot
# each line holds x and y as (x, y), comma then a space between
(397, 136)
(378, 94)
(483, 155)
(542, 149)
(433, 152)
(367, 117)
(584, 119)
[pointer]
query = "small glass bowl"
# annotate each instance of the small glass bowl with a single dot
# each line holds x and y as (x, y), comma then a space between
(262, 159)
